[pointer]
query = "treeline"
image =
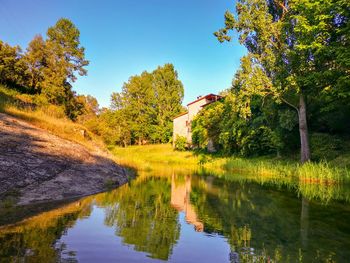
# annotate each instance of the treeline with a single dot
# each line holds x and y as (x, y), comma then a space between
(143, 111)
(293, 84)
(47, 68)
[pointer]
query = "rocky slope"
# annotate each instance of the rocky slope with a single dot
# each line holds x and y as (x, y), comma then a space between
(39, 166)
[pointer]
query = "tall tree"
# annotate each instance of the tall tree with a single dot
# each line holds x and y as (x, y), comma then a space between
(149, 102)
(53, 63)
(36, 61)
(169, 94)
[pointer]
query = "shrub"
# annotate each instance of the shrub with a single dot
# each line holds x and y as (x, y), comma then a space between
(259, 142)
(180, 143)
(325, 146)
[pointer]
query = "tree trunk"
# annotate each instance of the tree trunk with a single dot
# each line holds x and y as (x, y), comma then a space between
(303, 130)
(304, 221)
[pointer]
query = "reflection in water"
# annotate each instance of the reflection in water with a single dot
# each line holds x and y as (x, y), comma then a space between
(304, 221)
(182, 217)
(180, 200)
(142, 216)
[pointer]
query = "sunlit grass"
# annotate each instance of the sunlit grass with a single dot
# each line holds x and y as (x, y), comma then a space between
(145, 157)
(48, 118)
(320, 172)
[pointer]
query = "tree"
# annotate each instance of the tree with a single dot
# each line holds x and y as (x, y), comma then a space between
(169, 93)
(64, 57)
(287, 43)
(12, 67)
(88, 107)
(36, 61)
(148, 103)
(138, 102)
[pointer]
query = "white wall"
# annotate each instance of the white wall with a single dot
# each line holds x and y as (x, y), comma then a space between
(180, 128)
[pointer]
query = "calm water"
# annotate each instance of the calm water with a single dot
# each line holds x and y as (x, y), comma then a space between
(184, 218)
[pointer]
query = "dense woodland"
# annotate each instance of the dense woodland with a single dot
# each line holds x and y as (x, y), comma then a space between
(292, 90)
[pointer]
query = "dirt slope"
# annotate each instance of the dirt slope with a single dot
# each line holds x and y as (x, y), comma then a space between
(39, 166)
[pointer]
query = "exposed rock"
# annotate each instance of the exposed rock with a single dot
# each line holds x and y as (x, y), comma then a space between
(43, 167)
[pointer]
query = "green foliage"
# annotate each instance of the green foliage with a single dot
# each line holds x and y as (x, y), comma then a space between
(111, 126)
(180, 143)
(259, 142)
(144, 110)
(12, 66)
(325, 146)
(221, 123)
(205, 125)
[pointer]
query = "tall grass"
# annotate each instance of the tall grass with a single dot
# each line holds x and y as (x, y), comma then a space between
(320, 172)
(49, 117)
(146, 157)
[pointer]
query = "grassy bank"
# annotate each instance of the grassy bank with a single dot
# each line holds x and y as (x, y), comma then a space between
(49, 117)
(146, 157)
(314, 181)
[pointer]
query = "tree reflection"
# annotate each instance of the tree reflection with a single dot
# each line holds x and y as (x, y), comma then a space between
(34, 239)
(143, 217)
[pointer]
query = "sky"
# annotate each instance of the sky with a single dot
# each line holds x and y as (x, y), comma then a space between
(123, 38)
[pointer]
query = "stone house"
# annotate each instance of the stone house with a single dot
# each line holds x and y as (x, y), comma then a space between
(182, 123)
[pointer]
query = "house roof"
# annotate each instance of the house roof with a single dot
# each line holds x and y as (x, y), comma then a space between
(209, 96)
(180, 115)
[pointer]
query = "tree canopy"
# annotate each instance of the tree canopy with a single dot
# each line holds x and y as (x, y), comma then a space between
(144, 109)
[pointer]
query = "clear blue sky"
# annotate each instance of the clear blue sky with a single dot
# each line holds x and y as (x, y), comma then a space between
(124, 38)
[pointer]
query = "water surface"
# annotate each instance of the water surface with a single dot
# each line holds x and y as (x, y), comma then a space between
(185, 217)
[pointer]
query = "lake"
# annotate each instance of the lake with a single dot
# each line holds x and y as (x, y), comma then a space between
(184, 216)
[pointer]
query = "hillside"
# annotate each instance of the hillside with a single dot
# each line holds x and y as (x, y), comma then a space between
(37, 166)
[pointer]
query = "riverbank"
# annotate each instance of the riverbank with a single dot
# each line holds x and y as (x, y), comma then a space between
(143, 157)
(315, 180)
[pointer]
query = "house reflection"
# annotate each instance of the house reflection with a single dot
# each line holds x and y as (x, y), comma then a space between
(180, 200)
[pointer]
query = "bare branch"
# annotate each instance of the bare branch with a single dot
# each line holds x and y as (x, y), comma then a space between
(290, 104)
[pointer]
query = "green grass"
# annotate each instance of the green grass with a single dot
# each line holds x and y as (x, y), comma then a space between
(146, 157)
(320, 172)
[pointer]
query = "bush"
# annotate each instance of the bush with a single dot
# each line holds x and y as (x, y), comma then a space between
(180, 143)
(260, 141)
(325, 146)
